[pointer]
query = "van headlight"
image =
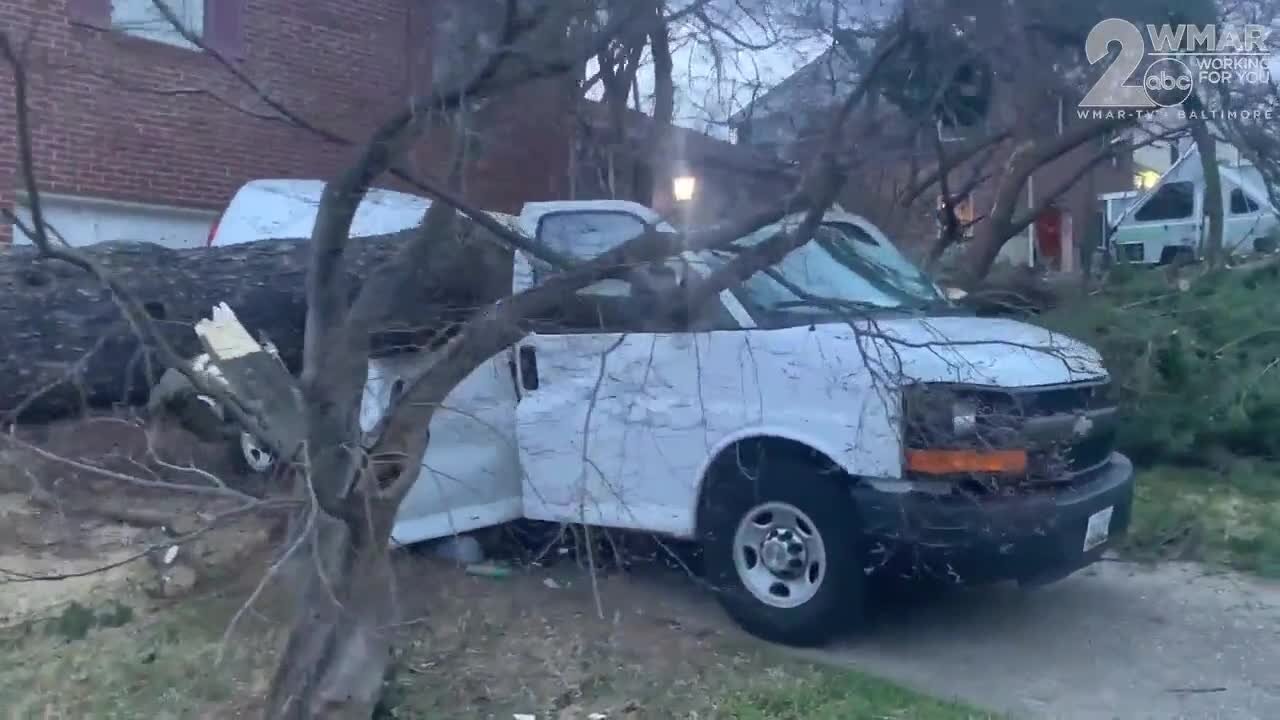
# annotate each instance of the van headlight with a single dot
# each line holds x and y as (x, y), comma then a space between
(945, 429)
(964, 417)
(937, 415)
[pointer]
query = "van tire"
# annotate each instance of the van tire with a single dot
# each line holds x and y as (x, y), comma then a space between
(822, 499)
(250, 457)
(1178, 256)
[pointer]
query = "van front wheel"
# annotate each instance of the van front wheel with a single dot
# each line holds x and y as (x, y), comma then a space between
(782, 549)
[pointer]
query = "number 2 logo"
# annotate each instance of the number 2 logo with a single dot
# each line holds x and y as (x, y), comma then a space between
(1113, 89)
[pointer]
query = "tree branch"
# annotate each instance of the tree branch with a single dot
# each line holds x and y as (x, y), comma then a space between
(1026, 159)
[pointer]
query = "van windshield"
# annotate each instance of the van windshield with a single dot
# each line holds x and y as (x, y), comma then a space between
(842, 269)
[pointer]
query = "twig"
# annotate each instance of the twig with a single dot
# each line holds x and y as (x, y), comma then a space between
(267, 577)
(1247, 338)
(222, 491)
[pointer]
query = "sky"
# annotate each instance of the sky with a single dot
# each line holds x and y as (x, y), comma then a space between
(758, 44)
(716, 76)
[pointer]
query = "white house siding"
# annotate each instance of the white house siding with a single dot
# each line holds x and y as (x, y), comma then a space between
(85, 221)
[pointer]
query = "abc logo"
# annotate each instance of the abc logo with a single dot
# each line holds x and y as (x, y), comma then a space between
(1168, 82)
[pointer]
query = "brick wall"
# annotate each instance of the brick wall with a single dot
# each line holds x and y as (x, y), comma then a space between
(124, 118)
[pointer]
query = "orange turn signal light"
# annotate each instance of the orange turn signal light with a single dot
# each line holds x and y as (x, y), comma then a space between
(956, 462)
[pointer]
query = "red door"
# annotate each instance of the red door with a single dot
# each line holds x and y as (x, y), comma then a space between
(1049, 237)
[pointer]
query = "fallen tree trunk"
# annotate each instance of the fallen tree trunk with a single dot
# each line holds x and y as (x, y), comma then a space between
(64, 345)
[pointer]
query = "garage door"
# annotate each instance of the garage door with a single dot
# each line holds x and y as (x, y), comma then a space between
(85, 221)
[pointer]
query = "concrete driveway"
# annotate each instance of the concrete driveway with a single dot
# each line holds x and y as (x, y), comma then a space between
(1114, 641)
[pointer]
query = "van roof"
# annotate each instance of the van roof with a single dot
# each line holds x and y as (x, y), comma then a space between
(287, 208)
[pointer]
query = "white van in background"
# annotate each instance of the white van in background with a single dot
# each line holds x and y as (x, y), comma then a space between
(1168, 222)
(829, 419)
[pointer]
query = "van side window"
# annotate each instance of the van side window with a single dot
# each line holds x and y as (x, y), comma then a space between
(1174, 201)
(1242, 204)
(582, 235)
(630, 303)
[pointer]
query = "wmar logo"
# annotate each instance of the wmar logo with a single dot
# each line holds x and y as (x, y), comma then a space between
(1180, 56)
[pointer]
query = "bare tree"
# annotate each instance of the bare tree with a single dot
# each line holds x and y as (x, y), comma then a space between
(350, 483)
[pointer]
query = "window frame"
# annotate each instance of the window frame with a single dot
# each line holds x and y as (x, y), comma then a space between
(1147, 203)
(222, 25)
(1251, 206)
(712, 317)
(162, 32)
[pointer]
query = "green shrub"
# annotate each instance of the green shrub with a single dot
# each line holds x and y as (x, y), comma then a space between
(1198, 370)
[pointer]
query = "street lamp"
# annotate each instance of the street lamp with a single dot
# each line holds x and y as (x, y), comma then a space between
(683, 187)
(1146, 179)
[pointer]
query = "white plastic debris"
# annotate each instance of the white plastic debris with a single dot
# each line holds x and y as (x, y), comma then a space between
(524, 716)
(171, 554)
(551, 583)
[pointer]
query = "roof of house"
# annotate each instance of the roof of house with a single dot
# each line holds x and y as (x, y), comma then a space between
(688, 145)
(833, 73)
(818, 84)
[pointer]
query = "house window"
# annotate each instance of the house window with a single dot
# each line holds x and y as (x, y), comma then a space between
(1242, 204)
(141, 18)
(1174, 201)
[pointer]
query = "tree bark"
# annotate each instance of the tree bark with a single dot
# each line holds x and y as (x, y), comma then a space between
(337, 652)
(1213, 210)
(66, 346)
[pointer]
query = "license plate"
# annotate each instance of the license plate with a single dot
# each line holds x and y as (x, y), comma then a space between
(1098, 529)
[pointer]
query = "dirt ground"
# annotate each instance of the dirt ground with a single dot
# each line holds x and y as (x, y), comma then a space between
(1116, 640)
(544, 641)
(37, 541)
(61, 519)
(532, 644)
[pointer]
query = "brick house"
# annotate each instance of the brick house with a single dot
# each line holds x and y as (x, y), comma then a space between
(728, 178)
(1058, 238)
(140, 135)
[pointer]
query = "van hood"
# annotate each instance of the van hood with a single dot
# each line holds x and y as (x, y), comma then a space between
(976, 351)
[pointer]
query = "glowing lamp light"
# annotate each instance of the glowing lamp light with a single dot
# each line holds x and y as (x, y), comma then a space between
(1146, 179)
(683, 187)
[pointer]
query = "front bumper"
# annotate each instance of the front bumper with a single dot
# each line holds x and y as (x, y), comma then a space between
(1033, 538)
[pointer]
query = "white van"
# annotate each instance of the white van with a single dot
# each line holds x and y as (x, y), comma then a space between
(804, 450)
(1168, 222)
(282, 209)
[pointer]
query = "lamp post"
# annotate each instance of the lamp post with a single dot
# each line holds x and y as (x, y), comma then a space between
(1146, 180)
(683, 187)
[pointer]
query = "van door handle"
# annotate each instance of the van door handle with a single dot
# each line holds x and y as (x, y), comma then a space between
(528, 367)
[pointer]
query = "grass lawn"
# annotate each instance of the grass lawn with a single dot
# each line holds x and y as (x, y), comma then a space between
(486, 649)
(1230, 518)
(813, 694)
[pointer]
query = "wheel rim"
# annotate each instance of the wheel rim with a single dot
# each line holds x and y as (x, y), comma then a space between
(213, 404)
(258, 458)
(779, 555)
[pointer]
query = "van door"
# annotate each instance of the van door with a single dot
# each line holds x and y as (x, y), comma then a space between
(470, 474)
(608, 419)
(1162, 225)
(1246, 219)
